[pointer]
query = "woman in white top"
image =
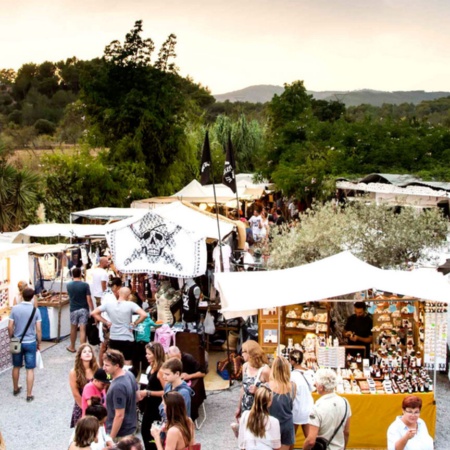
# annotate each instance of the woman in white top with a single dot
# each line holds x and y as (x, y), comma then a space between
(257, 429)
(264, 231)
(303, 402)
(408, 431)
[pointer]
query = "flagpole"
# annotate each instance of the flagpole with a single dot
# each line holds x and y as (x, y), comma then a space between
(217, 218)
(206, 173)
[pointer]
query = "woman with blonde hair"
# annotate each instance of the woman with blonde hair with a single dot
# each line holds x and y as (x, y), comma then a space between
(85, 433)
(179, 428)
(284, 392)
(82, 372)
(21, 285)
(155, 389)
(258, 430)
(254, 372)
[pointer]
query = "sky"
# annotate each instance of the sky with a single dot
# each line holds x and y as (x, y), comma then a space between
(228, 45)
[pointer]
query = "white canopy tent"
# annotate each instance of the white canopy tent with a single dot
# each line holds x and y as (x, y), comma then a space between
(190, 216)
(66, 230)
(243, 293)
(106, 213)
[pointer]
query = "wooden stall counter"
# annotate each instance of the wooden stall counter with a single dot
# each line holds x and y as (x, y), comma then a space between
(372, 415)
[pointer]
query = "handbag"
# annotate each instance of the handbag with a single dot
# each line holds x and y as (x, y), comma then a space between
(209, 324)
(15, 345)
(322, 443)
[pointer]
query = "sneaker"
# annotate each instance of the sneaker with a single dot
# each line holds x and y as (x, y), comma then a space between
(18, 391)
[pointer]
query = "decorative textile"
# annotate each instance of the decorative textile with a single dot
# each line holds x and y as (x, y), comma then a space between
(153, 244)
(5, 355)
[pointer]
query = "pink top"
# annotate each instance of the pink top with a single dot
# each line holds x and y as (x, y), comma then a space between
(90, 390)
(165, 336)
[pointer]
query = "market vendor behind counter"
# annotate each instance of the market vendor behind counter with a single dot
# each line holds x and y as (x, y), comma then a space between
(358, 328)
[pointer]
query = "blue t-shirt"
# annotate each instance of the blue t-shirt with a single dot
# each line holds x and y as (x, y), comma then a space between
(20, 314)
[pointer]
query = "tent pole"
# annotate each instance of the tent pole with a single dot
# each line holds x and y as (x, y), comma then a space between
(279, 332)
(435, 351)
(217, 217)
(60, 297)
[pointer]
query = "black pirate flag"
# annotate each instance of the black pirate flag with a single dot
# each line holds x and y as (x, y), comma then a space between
(205, 169)
(229, 170)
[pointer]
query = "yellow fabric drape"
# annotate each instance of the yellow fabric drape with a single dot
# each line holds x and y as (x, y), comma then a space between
(372, 415)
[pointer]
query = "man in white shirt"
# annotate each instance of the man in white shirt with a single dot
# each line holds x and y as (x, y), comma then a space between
(330, 414)
(100, 280)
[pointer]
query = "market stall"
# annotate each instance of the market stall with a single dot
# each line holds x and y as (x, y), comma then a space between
(49, 268)
(409, 332)
(13, 268)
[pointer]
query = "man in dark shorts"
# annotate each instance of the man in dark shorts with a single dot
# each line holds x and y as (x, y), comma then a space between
(121, 398)
(80, 305)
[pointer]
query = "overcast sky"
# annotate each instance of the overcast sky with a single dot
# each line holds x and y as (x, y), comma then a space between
(231, 44)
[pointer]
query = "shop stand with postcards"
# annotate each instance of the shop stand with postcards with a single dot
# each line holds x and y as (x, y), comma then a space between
(409, 334)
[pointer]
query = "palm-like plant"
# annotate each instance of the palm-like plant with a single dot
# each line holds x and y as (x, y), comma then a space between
(18, 195)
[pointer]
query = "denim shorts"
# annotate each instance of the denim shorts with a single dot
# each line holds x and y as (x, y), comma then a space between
(79, 317)
(29, 353)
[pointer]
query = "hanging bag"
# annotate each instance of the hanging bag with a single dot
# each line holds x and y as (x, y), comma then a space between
(209, 324)
(15, 345)
(322, 443)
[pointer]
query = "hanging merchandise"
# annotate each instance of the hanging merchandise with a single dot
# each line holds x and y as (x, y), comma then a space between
(49, 267)
(209, 324)
(226, 255)
(433, 337)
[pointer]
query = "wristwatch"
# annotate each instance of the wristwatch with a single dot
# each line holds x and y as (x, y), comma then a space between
(149, 393)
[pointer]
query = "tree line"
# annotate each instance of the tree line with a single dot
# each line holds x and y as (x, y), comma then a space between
(138, 126)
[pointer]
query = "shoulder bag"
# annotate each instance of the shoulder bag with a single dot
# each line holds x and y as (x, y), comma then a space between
(15, 345)
(322, 443)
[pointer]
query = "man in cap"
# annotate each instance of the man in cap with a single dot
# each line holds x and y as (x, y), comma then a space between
(95, 388)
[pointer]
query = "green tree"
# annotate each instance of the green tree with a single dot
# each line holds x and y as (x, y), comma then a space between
(376, 234)
(141, 110)
(88, 182)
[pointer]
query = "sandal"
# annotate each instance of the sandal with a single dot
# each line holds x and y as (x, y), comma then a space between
(70, 350)
(18, 391)
(30, 398)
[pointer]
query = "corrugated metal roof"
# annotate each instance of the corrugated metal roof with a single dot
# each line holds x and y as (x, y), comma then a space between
(404, 180)
(396, 179)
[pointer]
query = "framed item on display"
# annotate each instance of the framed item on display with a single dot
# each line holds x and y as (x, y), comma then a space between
(269, 334)
(269, 313)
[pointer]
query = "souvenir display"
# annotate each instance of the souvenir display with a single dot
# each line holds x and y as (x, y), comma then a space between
(408, 337)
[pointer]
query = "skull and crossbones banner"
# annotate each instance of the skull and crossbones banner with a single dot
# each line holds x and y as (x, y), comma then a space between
(153, 244)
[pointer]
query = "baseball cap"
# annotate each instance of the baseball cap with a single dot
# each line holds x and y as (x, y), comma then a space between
(101, 375)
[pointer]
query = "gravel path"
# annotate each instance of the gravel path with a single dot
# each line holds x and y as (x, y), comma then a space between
(44, 423)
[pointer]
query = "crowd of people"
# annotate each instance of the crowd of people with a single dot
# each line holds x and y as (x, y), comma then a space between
(113, 396)
(276, 401)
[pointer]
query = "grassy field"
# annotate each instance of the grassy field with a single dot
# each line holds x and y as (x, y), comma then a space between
(30, 158)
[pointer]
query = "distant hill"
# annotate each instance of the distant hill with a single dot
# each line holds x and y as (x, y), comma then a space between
(264, 93)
